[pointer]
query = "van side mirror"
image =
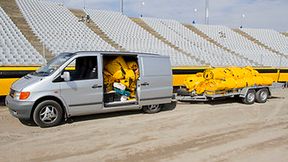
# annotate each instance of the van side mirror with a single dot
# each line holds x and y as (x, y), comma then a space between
(66, 76)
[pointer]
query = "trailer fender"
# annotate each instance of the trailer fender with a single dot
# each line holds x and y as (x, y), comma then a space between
(243, 92)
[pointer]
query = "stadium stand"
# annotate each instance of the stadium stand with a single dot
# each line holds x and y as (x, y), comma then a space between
(270, 38)
(204, 36)
(80, 14)
(33, 27)
(132, 37)
(183, 38)
(58, 28)
(146, 27)
(14, 47)
(235, 42)
(249, 37)
(12, 10)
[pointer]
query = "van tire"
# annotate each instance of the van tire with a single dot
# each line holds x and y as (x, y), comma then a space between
(250, 97)
(48, 113)
(262, 95)
(27, 122)
(151, 109)
(169, 106)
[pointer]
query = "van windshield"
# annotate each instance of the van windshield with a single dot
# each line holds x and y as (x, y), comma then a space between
(53, 65)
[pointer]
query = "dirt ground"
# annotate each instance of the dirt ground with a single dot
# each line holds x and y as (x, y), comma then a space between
(214, 132)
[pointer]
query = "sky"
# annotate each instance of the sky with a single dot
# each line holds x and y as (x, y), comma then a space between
(270, 14)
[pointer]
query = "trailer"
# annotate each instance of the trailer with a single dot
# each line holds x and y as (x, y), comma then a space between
(248, 95)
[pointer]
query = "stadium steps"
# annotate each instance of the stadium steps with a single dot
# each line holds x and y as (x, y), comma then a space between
(206, 37)
(13, 11)
(244, 34)
(79, 13)
(146, 27)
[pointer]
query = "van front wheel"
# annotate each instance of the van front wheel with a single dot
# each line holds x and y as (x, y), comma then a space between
(151, 109)
(48, 114)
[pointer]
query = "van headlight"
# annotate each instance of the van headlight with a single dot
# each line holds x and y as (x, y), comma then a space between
(21, 95)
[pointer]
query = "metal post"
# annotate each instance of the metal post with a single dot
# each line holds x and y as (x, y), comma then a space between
(84, 4)
(242, 21)
(207, 12)
(195, 16)
(142, 8)
(121, 7)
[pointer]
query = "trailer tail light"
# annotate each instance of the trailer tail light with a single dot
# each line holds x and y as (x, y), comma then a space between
(24, 95)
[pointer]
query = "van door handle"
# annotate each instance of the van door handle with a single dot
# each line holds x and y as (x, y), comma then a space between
(97, 86)
(145, 84)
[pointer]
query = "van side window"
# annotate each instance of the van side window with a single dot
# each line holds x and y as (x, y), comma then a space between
(83, 68)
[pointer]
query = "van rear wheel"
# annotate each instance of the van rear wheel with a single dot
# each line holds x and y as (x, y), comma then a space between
(48, 114)
(151, 109)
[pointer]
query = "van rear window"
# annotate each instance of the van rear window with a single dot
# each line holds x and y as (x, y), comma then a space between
(155, 66)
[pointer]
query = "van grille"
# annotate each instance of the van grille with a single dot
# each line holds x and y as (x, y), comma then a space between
(12, 91)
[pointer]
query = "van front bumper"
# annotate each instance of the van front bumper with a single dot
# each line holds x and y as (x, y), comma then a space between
(19, 109)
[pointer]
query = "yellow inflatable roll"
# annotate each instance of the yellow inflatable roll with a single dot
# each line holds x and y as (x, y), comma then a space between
(119, 75)
(218, 79)
(129, 80)
(215, 73)
(115, 65)
(117, 70)
(132, 65)
(235, 72)
(192, 81)
(108, 81)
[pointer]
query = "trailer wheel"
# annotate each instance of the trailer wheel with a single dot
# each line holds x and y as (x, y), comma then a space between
(151, 109)
(48, 114)
(262, 95)
(250, 97)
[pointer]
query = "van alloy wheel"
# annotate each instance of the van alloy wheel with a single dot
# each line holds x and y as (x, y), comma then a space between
(150, 109)
(48, 114)
(153, 107)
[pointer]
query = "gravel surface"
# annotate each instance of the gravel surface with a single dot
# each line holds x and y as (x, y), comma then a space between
(219, 131)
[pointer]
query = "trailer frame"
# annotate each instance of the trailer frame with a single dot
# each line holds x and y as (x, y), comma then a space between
(241, 92)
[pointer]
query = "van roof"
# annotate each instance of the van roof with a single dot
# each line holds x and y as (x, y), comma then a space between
(117, 52)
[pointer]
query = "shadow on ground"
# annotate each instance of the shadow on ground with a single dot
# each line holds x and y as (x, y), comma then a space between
(115, 114)
(102, 116)
(2, 101)
(223, 101)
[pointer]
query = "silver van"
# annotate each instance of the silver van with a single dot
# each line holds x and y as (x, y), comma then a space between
(55, 91)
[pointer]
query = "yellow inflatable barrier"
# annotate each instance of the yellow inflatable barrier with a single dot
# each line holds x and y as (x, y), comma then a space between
(219, 79)
(120, 71)
(115, 65)
(192, 81)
